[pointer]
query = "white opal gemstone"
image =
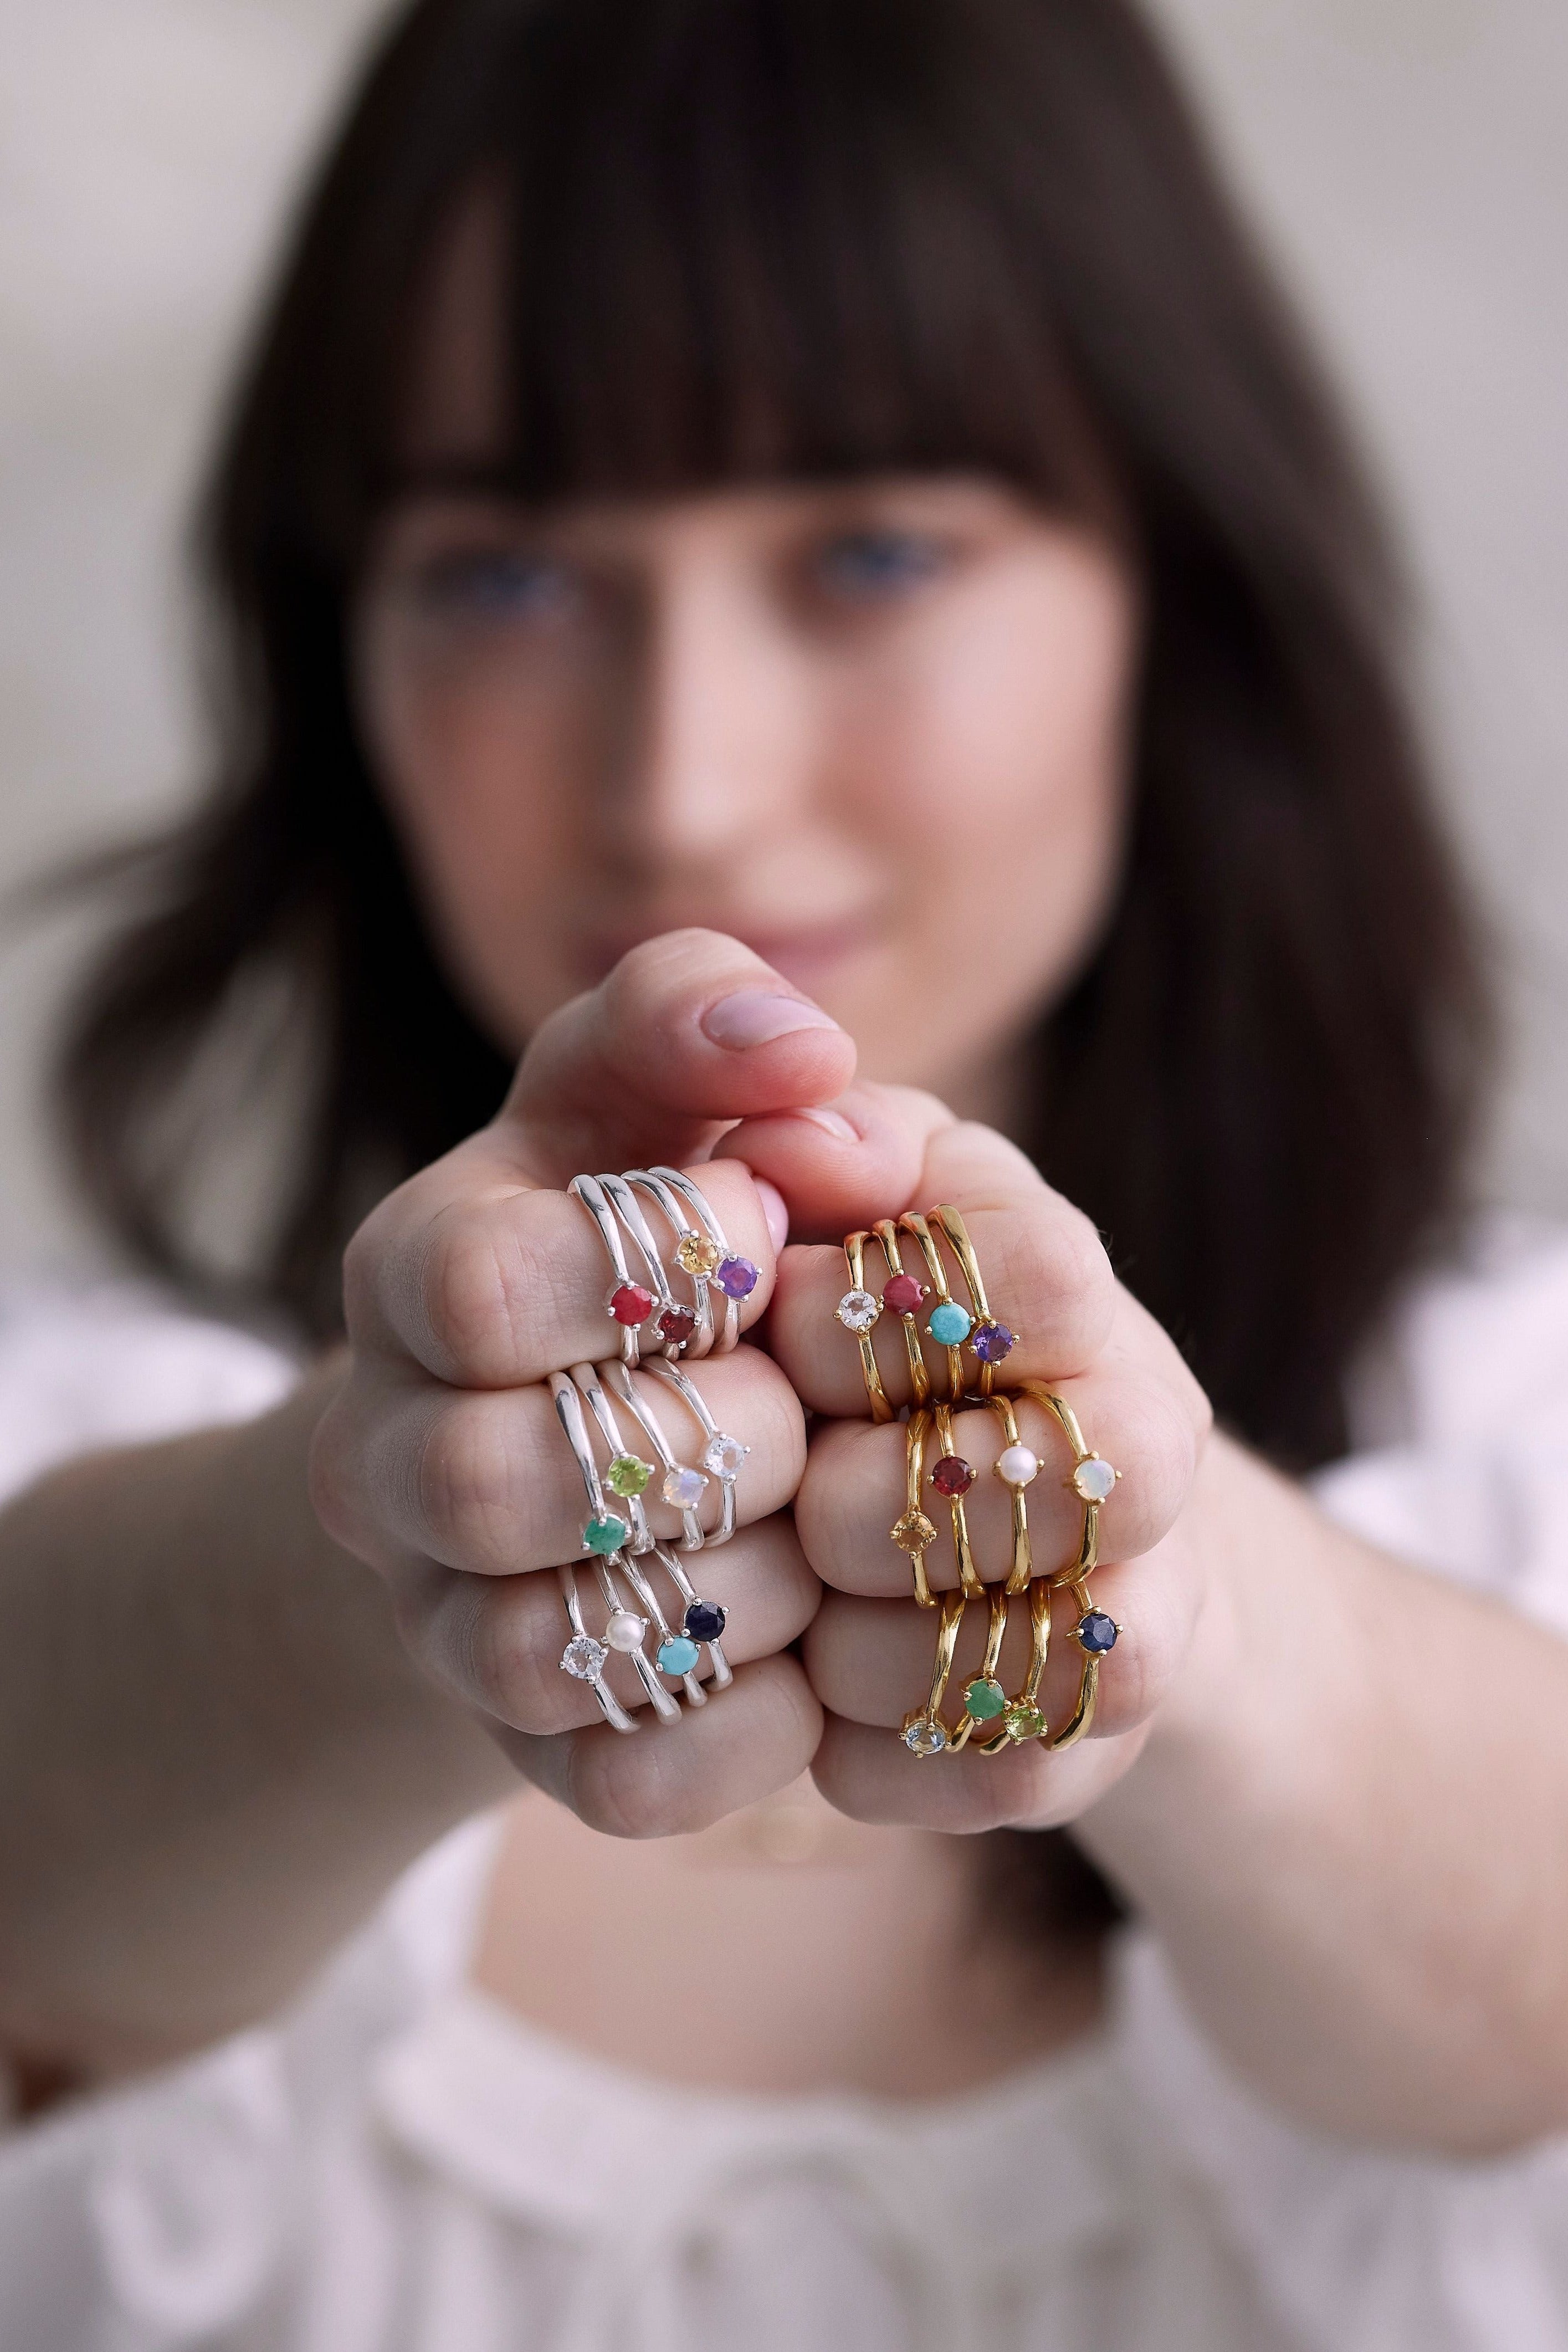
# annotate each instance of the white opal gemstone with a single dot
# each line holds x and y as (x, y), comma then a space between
(724, 1455)
(1094, 1479)
(857, 1310)
(1018, 1467)
(684, 1489)
(625, 1632)
(583, 1657)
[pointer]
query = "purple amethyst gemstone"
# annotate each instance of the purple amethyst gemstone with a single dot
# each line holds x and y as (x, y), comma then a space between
(737, 1276)
(991, 1342)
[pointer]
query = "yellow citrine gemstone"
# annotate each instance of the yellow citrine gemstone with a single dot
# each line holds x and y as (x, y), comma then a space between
(695, 1253)
(914, 1533)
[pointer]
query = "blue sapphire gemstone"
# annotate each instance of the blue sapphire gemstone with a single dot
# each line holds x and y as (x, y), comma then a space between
(705, 1621)
(1097, 1633)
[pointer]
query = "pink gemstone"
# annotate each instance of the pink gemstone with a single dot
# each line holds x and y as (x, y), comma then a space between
(631, 1304)
(902, 1294)
(677, 1324)
(951, 1476)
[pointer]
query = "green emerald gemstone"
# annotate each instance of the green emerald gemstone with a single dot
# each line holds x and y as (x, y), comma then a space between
(628, 1474)
(985, 1699)
(949, 1326)
(1024, 1722)
(605, 1535)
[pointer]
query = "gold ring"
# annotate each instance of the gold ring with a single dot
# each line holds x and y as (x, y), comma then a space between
(922, 1732)
(860, 1310)
(1090, 1478)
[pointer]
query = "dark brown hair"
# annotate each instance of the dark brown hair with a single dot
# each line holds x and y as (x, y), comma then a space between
(810, 238)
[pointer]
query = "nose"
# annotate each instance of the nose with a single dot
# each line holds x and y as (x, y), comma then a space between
(717, 746)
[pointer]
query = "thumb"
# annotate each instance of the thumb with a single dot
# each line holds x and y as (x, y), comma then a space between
(690, 1032)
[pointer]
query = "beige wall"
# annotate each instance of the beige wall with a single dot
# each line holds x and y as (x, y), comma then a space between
(1410, 159)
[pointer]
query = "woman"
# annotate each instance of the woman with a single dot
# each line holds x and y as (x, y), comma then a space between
(780, 565)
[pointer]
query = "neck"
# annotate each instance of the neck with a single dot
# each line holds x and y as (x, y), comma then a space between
(820, 1954)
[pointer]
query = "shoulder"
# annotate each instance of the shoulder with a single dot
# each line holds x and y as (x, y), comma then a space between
(118, 1363)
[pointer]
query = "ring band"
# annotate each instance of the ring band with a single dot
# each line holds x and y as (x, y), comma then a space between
(1091, 1478)
(682, 1487)
(599, 1542)
(585, 1657)
(723, 1455)
(676, 1654)
(629, 1304)
(735, 1277)
(859, 1310)
(922, 1732)
(693, 1251)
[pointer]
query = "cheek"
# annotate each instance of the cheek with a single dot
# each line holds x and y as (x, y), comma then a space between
(1012, 754)
(475, 780)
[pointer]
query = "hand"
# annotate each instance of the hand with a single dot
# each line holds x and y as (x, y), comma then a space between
(440, 1459)
(869, 1651)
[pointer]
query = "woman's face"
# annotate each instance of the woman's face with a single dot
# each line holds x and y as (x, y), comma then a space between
(875, 729)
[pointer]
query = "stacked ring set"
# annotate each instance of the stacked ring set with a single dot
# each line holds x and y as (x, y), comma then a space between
(656, 1327)
(991, 1717)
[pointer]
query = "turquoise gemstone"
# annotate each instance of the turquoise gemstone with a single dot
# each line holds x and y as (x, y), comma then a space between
(677, 1655)
(949, 1326)
(606, 1535)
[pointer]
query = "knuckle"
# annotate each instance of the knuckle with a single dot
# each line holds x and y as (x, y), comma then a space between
(1055, 1265)
(634, 1796)
(465, 1484)
(473, 1274)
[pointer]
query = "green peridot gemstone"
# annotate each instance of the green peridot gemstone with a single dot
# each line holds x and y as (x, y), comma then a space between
(628, 1474)
(605, 1535)
(949, 1326)
(985, 1699)
(1024, 1722)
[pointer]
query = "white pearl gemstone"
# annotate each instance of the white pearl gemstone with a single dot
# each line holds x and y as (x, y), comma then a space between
(684, 1489)
(724, 1456)
(1018, 1467)
(857, 1310)
(1094, 1479)
(625, 1632)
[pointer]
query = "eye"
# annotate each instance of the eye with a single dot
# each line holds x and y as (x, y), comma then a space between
(497, 585)
(873, 565)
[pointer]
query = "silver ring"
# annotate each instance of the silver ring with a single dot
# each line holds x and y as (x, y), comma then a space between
(669, 1317)
(723, 1455)
(669, 1658)
(734, 1275)
(674, 1471)
(589, 1191)
(585, 1657)
(620, 1631)
(696, 1252)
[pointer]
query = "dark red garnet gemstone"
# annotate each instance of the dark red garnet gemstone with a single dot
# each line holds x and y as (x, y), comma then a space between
(676, 1325)
(951, 1476)
(902, 1294)
(631, 1304)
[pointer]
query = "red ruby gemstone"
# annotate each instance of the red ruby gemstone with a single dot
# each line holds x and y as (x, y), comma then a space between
(677, 1324)
(902, 1294)
(951, 1476)
(631, 1304)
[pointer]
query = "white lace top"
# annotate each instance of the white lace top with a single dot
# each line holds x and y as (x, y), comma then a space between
(400, 2165)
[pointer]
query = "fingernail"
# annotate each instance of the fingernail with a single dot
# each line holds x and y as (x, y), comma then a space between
(775, 1213)
(831, 1122)
(754, 1017)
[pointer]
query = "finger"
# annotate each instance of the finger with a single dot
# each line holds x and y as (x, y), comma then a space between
(1046, 1274)
(688, 1032)
(672, 1779)
(841, 1164)
(872, 1776)
(485, 1480)
(497, 1642)
(871, 1661)
(487, 1283)
(855, 1485)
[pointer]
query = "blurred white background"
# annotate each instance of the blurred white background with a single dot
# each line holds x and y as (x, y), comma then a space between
(1407, 160)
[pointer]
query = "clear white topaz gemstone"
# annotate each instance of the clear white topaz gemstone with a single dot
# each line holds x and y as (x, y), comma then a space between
(1018, 1467)
(724, 1455)
(684, 1489)
(583, 1657)
(1094, 1479)
(857, 1310)
(924, 1738)
(625, 1632)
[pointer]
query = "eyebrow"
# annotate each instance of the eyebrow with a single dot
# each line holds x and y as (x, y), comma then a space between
(448, 478)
